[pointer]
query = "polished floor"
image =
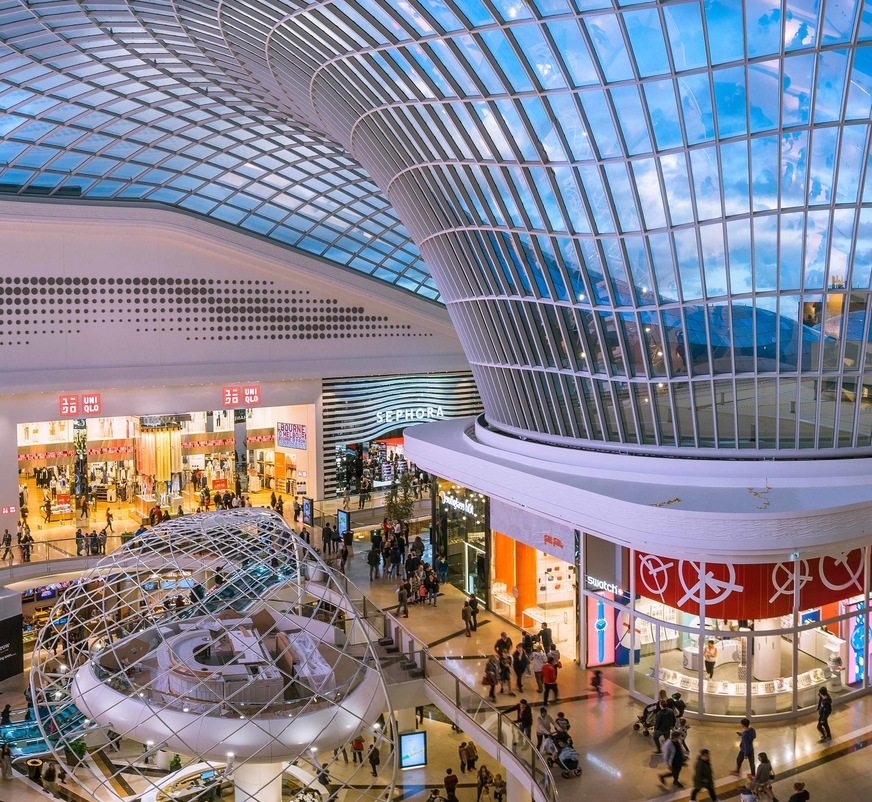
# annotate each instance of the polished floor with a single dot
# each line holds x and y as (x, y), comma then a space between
(618, 762)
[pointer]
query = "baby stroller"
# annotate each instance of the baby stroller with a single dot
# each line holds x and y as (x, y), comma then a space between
(558, 749)
(645, 720)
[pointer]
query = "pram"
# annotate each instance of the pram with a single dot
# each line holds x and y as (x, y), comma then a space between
(645, 720)
(558, 749)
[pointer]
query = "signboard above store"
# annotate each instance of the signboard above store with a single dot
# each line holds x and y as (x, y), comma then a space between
(245, 395)
(72, 406)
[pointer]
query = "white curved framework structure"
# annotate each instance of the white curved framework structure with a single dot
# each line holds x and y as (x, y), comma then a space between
(221, 637)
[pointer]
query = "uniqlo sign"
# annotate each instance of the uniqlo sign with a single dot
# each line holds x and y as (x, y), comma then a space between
(231, 396)
(91, 404)
(69, 406)
(5, 510)
(247, 395)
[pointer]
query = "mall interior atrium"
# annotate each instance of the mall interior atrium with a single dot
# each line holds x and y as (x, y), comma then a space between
(573, 295)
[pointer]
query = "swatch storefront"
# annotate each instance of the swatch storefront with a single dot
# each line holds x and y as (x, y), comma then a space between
(734, 639)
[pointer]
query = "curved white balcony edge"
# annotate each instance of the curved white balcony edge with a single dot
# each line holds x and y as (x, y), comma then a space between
(751, 511)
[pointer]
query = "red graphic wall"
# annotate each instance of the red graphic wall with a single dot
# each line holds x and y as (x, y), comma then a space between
(748, 591)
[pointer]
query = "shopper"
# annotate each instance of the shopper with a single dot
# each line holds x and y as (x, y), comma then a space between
(473, 604)
(664, 722)
(6, 761)
(503, 644)
(596, 683)
(544, 725)
(703, 776)
(7, 545)
(824, 709)
(49, 779)
(492, 676)
(109, 520)
(6, 716)
(466, 615)
(374, 758)
(373, 559)
(549, 679)
(764, 777)
(673, 757)
(524, 718)
(538, 658)
(463, 756)
(799, 793)
(450, 784)
(746, 748)
(520, 664)
(471, 756)
(403, 599)
(482, 783)
(561, 723)
(710, 656)
(357, 749)
(546, 638)
(498, 785)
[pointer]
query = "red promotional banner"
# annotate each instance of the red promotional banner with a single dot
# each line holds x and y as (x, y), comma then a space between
(219, 484)
(748, 591)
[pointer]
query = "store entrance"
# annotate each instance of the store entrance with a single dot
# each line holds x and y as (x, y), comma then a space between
(119, 473)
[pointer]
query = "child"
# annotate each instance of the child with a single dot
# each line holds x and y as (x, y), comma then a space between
(681, 728)
(597, 683)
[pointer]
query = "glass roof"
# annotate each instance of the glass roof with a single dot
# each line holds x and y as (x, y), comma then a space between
(93, 105)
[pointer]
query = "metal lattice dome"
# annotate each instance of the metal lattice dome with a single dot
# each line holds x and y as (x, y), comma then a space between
(221, 637)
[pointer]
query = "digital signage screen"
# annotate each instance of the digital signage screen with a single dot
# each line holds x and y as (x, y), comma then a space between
(343, 520)
(291, 435)
(308, 510)
(413, 750)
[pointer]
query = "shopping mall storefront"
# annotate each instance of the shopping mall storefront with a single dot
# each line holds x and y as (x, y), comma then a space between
(131, 452)
(364, 421)
(734, 639)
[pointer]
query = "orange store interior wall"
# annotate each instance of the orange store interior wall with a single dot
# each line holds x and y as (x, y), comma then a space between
(515, 565)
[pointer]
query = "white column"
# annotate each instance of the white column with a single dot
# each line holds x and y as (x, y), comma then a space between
(258, 782)
(517, 791)
(767, 651)
(9, 473)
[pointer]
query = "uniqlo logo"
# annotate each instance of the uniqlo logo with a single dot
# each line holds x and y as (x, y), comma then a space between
(6, 510)
(231, 396)
(69, 405)
(251, 394)
(91, 404)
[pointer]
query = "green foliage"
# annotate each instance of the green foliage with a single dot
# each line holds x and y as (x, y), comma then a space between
(176, 762)
(78, 747)
(401, 499)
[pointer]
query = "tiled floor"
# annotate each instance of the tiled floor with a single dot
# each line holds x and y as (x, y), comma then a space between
(618, 762)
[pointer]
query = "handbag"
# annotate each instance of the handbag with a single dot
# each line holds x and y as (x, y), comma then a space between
(487, 681)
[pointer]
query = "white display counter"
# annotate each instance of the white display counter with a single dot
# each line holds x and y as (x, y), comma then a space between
(728, 698)
(729, 651)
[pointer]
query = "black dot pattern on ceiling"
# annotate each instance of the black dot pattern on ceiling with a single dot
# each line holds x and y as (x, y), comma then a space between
(197, 308)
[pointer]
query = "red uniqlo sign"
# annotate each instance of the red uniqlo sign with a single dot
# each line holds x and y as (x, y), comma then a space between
(91, 404)
(231, 396)
(248, 395)
(5, 510)
(69, 406)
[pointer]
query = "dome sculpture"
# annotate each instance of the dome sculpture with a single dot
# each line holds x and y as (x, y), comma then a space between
(221, 638)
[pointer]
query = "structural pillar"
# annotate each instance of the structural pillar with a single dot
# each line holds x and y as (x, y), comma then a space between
(406, 720)
(258, 782)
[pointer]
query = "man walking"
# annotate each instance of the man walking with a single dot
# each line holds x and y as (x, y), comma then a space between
(549, 679)
(374, 758)
(664, 722)
(544, 725)
(673, 757)
(703, 777)
(824, 708)
(450, 783)
(746, 748)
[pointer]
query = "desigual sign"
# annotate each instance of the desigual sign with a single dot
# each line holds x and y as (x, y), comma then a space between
(456, 503)
(409, 414)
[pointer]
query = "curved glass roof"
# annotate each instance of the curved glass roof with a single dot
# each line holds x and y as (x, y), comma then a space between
(93, 106)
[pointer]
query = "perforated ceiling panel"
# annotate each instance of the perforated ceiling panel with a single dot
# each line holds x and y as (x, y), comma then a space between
(198, 309)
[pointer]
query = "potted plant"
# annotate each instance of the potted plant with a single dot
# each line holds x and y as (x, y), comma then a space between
(75, 752)
(176, 762)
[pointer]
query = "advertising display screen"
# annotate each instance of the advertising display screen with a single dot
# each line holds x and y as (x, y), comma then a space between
(308, 517)
(45, 593)
(343, 520)
(413, 750)
(11, 647)
(291, 435)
